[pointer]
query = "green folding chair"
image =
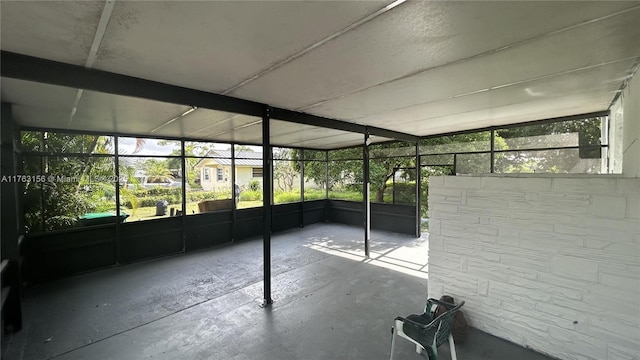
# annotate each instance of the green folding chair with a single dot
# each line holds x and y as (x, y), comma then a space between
(426, 332)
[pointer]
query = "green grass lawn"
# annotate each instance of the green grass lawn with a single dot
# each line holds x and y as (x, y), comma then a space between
(149, 212)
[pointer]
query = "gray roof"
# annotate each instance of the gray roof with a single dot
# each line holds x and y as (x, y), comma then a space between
(243, 158)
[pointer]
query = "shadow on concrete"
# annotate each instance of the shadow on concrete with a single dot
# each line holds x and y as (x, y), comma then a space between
(204, 305)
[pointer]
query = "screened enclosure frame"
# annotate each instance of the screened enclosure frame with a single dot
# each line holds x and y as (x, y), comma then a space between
(23, 67)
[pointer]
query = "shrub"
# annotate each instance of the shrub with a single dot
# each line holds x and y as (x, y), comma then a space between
(197, 196)
(254, 185)
(314, 194)
(286, 197)
(152, 201)
(250, 195)
(345, 195)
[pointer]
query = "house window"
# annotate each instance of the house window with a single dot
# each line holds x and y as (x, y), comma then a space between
(219, 174)
(257, 172)
(206, 174)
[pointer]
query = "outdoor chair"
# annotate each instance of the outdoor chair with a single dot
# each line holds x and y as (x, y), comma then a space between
(426, 332)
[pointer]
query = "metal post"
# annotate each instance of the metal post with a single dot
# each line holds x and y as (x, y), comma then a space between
(302, 187)
(43, 170)
(234, 196)
(455, 164)
(418, 191)
(326, 186)
(393, 181)
(266, 205)
(492, 150)
(366, 201)
(183, 220)
(117, 170)
(10, 246)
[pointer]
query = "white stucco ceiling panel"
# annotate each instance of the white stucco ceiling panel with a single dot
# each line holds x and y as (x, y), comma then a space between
(513, 113)
(569, 86)
(330, 142)
(56, 30)
(250, 134)
(575, 49)
(227, 125)
(300, 135)
(214, 45)
(122, 114)
(422, 67)
(40, 117)
(195, 123)
(413, 37)
(20, 92)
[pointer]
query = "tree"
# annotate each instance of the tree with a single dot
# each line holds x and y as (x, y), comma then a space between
(466, 153)
(284, 171)
(343, 169)
(585, 133)
(346, 168)
(386, 160)
(157, 171)
(80, 183)
(192, 150)
(244, 148)
(471, 151)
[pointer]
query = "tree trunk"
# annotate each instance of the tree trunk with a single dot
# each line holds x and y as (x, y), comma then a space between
(380, 193)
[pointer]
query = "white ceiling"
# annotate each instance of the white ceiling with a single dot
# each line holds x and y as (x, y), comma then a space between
(418, 67)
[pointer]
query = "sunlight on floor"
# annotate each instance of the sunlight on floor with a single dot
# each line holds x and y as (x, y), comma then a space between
(409, 258)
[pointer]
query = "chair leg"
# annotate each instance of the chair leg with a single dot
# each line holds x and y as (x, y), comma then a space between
(452, 346)
(432, 353)
(393, 340)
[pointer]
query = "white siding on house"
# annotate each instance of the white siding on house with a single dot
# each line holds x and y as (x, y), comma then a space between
(206, 181)
(548, 262)
(244, 175)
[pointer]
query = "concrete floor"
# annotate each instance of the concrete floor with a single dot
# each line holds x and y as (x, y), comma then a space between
(330, 303)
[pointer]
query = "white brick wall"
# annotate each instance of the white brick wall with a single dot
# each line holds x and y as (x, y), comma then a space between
(552, 263)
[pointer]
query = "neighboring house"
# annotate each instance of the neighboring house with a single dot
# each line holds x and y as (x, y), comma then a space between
(215, 169)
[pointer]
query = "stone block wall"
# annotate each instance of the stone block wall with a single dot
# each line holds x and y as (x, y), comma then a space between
(548, 262)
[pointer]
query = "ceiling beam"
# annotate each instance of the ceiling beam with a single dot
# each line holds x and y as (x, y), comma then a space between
(319, 121)
(31, 68)
(24, 67)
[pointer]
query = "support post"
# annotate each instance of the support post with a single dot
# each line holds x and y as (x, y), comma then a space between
(266, 204)
(418, 192)
(493, 143)
(234, 194)
(455, 164)
(301, 187)
(366, 201)
(10, 234)
(326, 186)
(117, 246)
(393, 186)
(183, 218)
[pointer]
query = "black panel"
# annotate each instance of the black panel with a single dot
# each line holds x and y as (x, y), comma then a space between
(286, 216)
(346, 212)
(55, 254)
(388, 217)
(394, 218)
(152, 238)
(249, 223)
(315, 211)
(207, 229)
